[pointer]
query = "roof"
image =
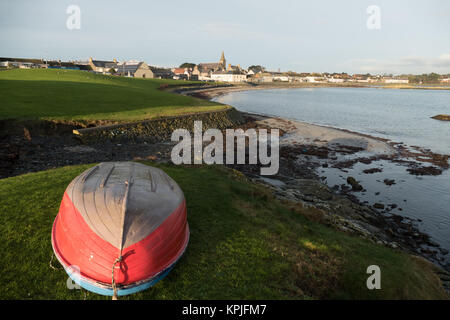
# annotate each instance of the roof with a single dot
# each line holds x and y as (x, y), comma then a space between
(210, 65)
(229, 72)
(129, 67)
(104, 64)
(160, 71)
(22, 60)
(179, 70)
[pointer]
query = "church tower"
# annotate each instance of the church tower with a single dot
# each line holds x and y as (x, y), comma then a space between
(222, 61)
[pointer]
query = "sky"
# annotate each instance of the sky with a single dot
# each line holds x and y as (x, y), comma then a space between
(290, 35)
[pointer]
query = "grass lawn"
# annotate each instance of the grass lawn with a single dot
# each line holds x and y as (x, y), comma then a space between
(69, 95)
(244, 244)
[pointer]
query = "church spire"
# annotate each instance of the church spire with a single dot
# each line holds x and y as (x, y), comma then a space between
(222, 60)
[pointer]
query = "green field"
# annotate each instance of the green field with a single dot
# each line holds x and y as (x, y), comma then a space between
(70, 95)
(244, 244)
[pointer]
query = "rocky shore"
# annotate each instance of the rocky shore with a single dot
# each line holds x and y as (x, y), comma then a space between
(306, 148)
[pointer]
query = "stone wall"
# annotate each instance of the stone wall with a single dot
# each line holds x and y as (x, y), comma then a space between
(161, 129)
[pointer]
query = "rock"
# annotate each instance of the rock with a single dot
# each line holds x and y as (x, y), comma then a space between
(442, 117)
(355, 184)
(378, 206)
(425, 171)
(389, 182)
(26, 134)
(372, 170)
(397, 218)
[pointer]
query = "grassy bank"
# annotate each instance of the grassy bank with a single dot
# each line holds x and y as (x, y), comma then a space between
(244, 244)
(70, 95)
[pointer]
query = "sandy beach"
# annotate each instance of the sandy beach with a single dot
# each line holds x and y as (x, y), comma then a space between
(310, 134)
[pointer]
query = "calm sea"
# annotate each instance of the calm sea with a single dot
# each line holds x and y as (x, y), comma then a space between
(398, 115)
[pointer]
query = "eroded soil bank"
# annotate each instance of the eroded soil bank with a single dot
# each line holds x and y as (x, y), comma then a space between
(35, 145)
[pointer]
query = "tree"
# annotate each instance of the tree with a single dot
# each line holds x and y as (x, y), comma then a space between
(112, 71)
(425, 78)
(188, 65)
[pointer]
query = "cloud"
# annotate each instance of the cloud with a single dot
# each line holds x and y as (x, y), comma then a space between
(408, 64)
(443, 61)
(226, 30)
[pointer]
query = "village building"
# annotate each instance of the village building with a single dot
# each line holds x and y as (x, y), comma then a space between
(266, 76)
(335, 80)
(229, 76)
(204, 70)
(393, 80)
(161, 73)
(140, 69)
(22, 63)
(311, 79)
(234, 68)
(136, 69)
(361, 78)
(102, 66)
(182, 73)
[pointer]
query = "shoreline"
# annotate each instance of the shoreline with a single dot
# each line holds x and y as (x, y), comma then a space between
(424, 155)
(211, 92)
(396, 231)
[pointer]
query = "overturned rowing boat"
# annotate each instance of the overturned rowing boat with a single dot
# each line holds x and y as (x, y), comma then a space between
(122, 225)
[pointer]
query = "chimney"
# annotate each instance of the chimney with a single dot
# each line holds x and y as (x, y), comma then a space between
(90, 59)
(115, 60)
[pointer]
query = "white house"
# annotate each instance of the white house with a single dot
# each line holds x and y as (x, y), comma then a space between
(395, 80)
(281, 78)
(228, 76)
(335, 80)
(312, 79)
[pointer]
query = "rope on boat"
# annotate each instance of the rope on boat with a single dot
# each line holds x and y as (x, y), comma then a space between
(119, 259)
(51, 264)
